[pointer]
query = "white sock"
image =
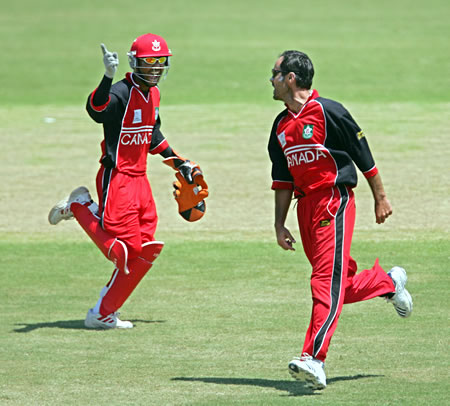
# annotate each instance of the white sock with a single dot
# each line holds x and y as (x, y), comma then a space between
(99, 302)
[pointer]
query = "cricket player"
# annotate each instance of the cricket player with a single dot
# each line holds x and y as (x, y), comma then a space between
(123, 223)
(313, 146)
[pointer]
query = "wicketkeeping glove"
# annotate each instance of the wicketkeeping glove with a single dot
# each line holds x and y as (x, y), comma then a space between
(190, 197)
(111, 62)
(188, 169)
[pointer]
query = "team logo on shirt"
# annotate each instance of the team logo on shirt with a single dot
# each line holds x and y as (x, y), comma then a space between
(308, 131)
(137, 116)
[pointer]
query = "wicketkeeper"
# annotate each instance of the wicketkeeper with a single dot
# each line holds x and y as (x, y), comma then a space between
(123, 223)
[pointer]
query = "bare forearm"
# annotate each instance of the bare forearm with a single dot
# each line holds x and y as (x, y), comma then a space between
(383, 208)
(282, 202)
(283, 199)
(376, 185)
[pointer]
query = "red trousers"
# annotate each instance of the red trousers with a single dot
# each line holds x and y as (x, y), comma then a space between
(326, 221)
(127, 208)
(124, 232)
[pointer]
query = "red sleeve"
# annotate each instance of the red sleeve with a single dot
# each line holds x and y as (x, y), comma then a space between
(159, 148)
(371, 172)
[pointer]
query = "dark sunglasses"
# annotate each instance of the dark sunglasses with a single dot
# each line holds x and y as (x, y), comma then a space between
(275, 72)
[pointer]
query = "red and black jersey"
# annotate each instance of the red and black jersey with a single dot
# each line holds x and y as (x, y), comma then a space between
(315, 149)
(131, 126)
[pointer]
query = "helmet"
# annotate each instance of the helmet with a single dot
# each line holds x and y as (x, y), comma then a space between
(147, 46)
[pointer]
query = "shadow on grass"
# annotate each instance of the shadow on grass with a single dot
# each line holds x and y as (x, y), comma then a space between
(69, 325)
(294, 388)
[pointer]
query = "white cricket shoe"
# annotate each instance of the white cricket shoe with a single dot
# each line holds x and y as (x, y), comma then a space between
(401, 300)
(96, 320)
(309, 370)
(61, 211)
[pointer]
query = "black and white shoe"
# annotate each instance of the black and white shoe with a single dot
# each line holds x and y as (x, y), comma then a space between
(401, 300)
(309, 370)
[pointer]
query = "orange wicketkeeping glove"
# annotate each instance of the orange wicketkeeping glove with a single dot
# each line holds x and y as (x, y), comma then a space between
(190, 197)
(188, 169)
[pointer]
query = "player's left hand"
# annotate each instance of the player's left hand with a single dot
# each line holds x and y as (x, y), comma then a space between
(189, 170)
(190, 197)
(383, 210)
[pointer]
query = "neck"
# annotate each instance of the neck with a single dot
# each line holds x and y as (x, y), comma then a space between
(298, 99)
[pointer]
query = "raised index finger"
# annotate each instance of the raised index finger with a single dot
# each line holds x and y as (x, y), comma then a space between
(104, 50)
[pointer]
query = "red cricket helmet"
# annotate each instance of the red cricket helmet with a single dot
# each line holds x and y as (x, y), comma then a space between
(149, 45)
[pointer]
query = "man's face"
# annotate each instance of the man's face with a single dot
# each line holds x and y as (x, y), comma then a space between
(152, 69)
(280, 89)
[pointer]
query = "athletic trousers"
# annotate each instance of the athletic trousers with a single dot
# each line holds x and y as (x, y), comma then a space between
(326, 221)
(127, 219)
(127, 208)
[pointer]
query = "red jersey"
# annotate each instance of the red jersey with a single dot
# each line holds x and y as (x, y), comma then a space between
(131, 126)
(315, 149)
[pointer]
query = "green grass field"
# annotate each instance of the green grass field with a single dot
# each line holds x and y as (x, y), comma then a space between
(223, 310)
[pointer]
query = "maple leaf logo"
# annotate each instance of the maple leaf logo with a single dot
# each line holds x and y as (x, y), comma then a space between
(156, 46)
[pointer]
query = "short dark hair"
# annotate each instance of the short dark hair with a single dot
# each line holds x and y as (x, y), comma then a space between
(299, 63)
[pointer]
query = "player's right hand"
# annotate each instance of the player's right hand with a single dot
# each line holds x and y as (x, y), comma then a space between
(285, 239)
(111, 62)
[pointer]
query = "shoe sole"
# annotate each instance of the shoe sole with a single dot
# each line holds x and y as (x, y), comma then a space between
(307, 377)
(54, 217)
(402, 312)
(400, 286)
(103, 327)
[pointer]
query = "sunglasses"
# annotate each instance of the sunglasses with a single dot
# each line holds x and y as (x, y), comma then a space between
(275, 72)
(151, 60)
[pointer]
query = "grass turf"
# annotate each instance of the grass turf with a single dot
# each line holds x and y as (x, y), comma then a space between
(216, 328)
(224, 309)
(389, 50)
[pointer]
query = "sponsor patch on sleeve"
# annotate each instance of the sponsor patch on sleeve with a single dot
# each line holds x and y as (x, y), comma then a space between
(282, 139)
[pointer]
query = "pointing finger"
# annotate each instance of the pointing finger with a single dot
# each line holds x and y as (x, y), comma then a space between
(104, 50)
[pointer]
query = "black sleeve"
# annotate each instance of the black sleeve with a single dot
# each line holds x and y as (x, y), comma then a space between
(345, 135)
(114, 98)
(280, 171)
(355, 143)
(101, 94)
